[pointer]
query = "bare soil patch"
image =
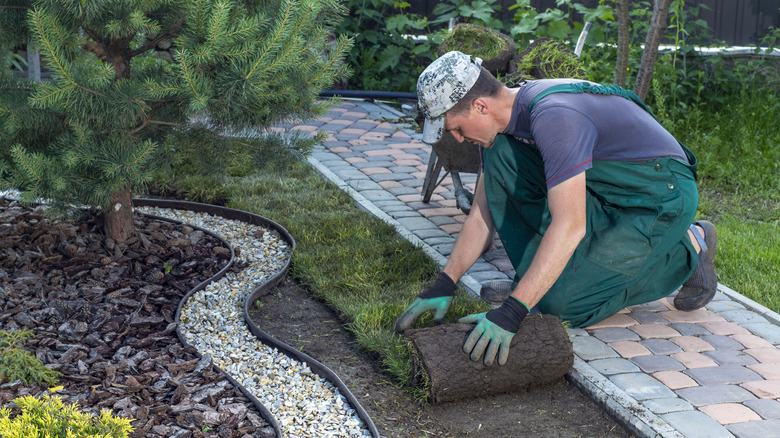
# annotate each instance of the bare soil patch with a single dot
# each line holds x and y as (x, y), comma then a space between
(290, 314)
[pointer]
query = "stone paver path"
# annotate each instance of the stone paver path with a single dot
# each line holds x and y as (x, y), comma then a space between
(714, 372)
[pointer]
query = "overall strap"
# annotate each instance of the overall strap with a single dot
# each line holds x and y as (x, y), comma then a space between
(612, 90)
(585, 87)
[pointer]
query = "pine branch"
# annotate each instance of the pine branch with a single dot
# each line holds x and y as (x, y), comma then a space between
(276, 37)
(145, 153)
(343, 45)
(169, 34)
(35, 16)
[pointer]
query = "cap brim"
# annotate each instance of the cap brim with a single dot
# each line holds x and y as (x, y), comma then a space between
(433, 129)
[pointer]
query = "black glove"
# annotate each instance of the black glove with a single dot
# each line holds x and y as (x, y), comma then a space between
(436, 297)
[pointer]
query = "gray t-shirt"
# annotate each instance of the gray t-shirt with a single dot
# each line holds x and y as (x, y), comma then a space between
(572, 130)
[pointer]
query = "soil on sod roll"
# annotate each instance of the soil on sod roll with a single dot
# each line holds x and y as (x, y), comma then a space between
(540, 354)
(558, 409)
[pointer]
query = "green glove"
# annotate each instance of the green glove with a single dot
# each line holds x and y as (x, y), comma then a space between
(436, 297)
(494, 331)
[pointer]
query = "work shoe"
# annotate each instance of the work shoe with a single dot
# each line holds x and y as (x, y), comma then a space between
(699, 289)
(495, 292)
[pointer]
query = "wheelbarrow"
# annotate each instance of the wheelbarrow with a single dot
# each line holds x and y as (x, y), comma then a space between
(454, 157)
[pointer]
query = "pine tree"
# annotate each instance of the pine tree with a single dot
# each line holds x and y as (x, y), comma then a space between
(92, 131)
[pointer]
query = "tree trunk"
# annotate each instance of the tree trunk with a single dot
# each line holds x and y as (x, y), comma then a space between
(624, 23)
(656, 30)
(541, 353)
(118, 217)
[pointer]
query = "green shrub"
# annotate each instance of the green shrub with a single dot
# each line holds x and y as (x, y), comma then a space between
(49, 417)
(19, 364)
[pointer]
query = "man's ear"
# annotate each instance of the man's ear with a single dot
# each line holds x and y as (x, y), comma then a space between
(480, 105)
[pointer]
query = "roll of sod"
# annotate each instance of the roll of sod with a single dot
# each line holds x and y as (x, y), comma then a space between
(540, 354)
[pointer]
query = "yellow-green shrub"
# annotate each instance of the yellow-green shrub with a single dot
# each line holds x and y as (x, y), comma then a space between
(49, 417)
(16, 363)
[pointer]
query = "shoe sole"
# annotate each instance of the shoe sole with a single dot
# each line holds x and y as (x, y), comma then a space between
(495, 292)
(699, 300)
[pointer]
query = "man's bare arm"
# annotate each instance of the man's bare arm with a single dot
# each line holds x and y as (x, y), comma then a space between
(567, 203)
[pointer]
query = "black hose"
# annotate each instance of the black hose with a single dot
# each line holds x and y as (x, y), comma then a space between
(367, 94)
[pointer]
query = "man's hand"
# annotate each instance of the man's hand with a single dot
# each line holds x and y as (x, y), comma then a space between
(436, 297)
(494, 331)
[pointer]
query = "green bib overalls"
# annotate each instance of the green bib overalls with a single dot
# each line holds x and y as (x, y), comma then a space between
(636, 248)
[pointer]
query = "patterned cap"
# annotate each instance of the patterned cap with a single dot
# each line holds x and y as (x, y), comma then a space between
(441, 86)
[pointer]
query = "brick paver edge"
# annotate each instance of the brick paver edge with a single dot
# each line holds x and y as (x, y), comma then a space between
(637, 418)
(767, 313)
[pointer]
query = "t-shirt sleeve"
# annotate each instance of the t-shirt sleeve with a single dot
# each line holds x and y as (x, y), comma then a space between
(565, 139)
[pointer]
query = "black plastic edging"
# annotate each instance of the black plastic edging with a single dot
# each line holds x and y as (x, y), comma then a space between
(264, 337)
(264, 412)
(318, 368)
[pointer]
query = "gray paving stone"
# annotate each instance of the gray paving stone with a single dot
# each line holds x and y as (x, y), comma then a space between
(768, 331)
(419, 205)
(378, 195)
(368, 126)
(341, 166)
(482, 267)
(755, 429)
(724, 306)
(712, 394)
(661, 346)
(723, 375)
(444, 249)
(766, 408)
(640, 386)
(392, 206)
(380, 177)
(350, 174)
(743, 316)
(415, 224)
(577, 332)
(488, 275)
(412, 182)
(403, 169)
(443, 220)
(374, 146)
(652, 364)
(652, 306)
(403, 214)
(325, 156)
(730, 357)
(336, 144)
(337, 128)
(590, 348)
(614, 334)
(345, 155)
(398, 191)
(427, 233)
(645, 317)
(666, 405)
(374, 163)
(613, 365)
(439, 240)
(696, 424)
(721, 342)
(688, 329)
(720, 296)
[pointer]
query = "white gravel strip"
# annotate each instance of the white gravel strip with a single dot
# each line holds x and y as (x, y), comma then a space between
(303, 403)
